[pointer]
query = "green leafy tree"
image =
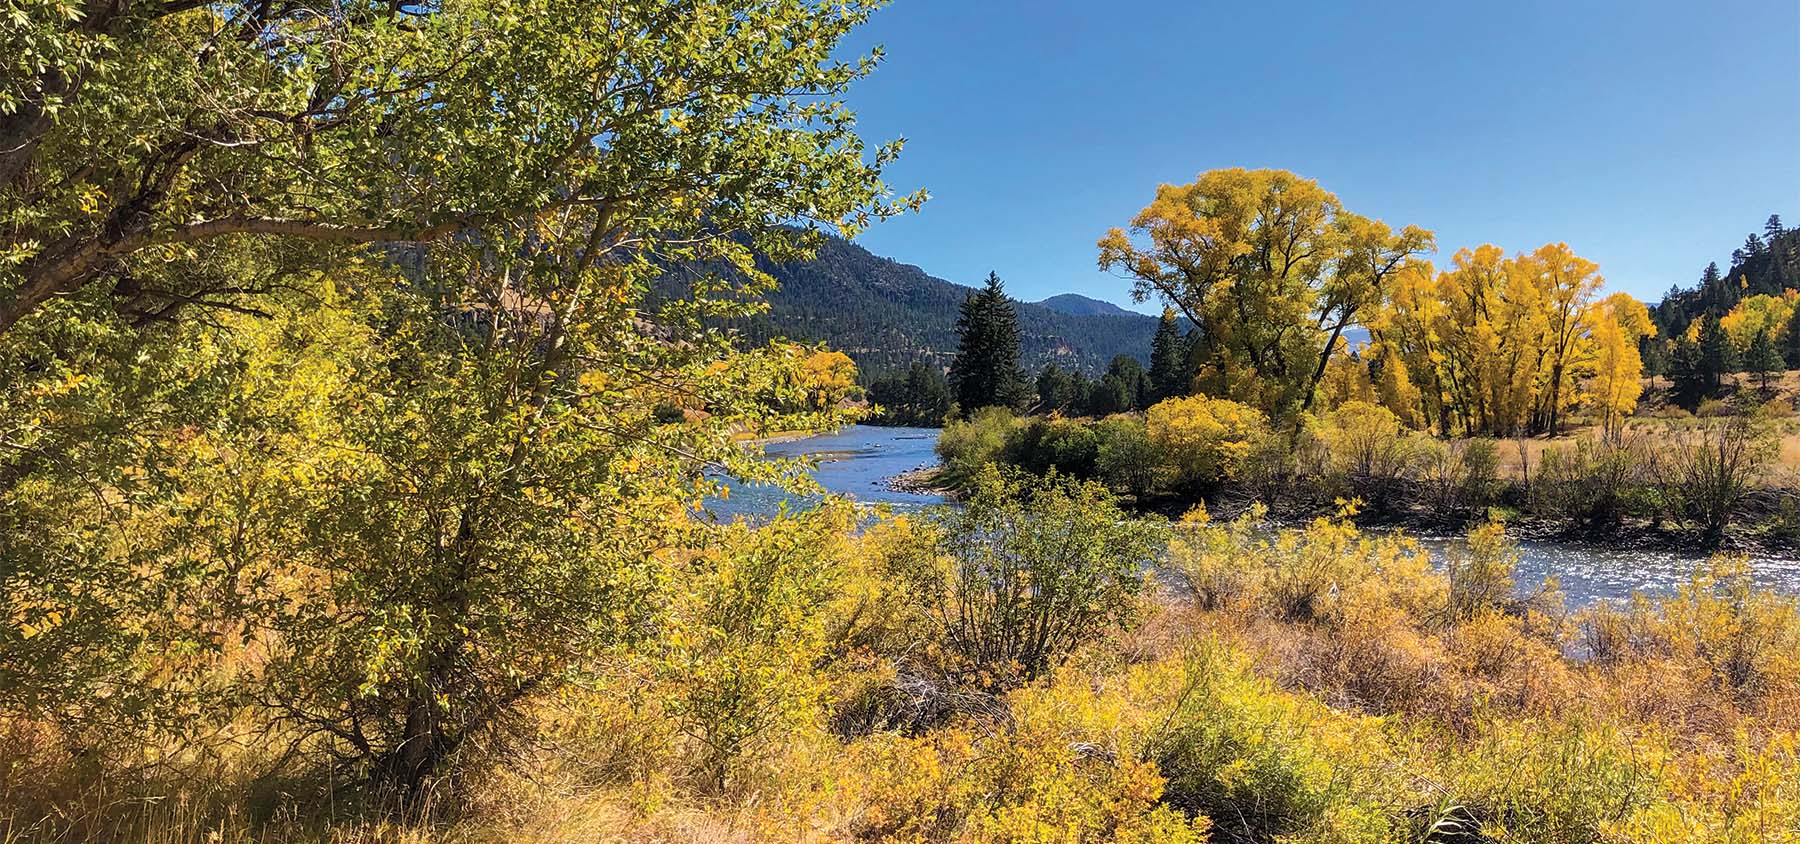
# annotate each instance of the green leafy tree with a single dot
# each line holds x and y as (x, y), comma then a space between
(426, 484)
(986, 370)
(1126, 458)
(306, 124)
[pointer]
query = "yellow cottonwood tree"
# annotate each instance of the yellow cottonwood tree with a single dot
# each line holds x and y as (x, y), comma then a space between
(1496, 345)
(1271, 268)
(1616, 383)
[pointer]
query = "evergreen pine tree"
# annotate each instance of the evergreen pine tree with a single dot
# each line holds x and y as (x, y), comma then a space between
(1772, 230)
(1793, 340)
(1718, 357)
(1196, 360)
(1122, 389)
(919, 397)
(1654, 352)
(1168, 359)
(1712, 288)
(1687, 381)
(986, 369)
(1081, 393)
(1056, 390)
(1763, 358)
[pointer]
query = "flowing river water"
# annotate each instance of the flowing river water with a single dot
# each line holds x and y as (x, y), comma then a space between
(858, 462)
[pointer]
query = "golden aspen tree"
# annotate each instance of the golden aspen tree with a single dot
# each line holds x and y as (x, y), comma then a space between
(1762, 313)
(1493, 345)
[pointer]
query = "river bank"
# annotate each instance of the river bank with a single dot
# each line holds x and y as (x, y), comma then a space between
(896, 467)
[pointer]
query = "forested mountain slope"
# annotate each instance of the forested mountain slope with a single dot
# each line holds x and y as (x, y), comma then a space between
(886, 314)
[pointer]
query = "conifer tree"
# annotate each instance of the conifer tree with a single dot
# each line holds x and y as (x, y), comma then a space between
(1056, 390)
(1763, 359)
(1687, 380)
(1712, 287)
(1793, 340)
(1124, 388)
(986, 370)
(1168, 359)
(1654, 352)
(1718, 357)
(1194, 361)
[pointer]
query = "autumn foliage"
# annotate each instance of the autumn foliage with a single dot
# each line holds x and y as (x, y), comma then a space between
(1274, 271)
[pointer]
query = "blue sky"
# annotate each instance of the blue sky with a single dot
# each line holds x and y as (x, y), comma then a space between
(1650, 135)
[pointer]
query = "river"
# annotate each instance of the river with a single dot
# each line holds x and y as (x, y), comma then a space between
(857, 461)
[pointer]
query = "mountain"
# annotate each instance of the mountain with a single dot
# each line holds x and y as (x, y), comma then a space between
(885, 315)
(1075, 304)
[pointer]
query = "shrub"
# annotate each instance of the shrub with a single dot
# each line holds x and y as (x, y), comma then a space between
(1205, 440)
(1711, 468)
(1480, 572)
(1241, 754)
(1034, 570)
(1596, 483)
(1042, 446)
(966, 446)
(1747, 640)
(1368, 449)
(1126, 459)
(737, 664)
(1214, 563)
(1458, 477)
(1067, 768)
(1557, 783)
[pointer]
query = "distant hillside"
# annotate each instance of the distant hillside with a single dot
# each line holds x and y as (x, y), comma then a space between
(886, 314)
(1768, 262)
(1075, 304)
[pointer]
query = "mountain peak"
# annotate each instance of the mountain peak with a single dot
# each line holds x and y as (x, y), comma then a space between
(886, 314)
(1075, 304)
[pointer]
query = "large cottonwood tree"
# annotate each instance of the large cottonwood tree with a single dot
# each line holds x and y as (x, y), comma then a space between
(1271, 268)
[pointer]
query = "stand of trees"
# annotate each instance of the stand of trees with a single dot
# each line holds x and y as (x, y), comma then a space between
(1273, 272)
(1745, 319)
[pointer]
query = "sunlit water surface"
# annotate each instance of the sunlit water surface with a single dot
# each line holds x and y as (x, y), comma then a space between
(858, 461)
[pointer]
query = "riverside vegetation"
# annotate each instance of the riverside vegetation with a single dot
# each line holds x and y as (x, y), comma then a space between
(1504, 383)
(1694, 481)
(352, 473)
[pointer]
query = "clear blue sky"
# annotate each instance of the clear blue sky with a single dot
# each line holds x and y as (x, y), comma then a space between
(1650, 135)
